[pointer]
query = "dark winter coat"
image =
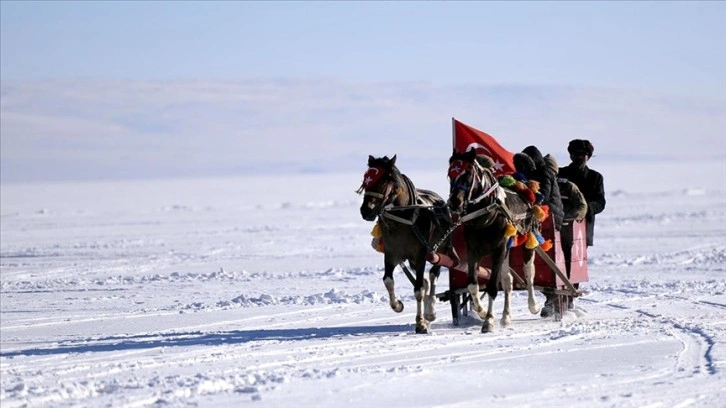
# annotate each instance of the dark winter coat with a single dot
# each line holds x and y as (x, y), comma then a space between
(573, 201)
(532, 165)
(590, 183)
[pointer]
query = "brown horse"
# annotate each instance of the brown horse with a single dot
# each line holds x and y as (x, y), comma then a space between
(413, 222)
(484, 209)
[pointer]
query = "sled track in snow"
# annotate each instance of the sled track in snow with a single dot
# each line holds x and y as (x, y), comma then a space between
(696, 356)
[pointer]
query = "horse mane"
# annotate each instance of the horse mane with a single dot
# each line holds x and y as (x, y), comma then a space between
(410, 188)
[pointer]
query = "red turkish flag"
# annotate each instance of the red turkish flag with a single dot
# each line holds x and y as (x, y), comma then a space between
(467, 138)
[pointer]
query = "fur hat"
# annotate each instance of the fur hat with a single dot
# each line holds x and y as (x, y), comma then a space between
(581, 145)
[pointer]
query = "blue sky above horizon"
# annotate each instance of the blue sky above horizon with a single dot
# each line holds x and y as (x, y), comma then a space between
(133, 89)
(666, 46)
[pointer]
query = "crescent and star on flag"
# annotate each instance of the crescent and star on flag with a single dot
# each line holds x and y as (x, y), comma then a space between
(467, 138)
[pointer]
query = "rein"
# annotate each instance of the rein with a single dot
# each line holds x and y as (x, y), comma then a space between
(379, 195)
(497, 205)
(478, 177)
(386, 212)
(388, 208)
(413, 197)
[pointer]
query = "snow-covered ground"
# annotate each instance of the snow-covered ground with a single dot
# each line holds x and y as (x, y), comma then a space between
(264, 291)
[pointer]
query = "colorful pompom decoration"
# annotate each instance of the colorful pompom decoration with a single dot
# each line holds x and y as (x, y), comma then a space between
(510, 230)
(531, 241)
(376, 231)
(533, 185)
(519, 176)
(547, 245)
(539, 213)
(521, 239)
(377, 242)
(546, 209)
(506, 181)
(379, 247)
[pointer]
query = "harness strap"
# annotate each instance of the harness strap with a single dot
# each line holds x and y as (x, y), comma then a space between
(512, 217)
(407, 207)
(486, 193)
(373, 194)
(383, 195)
(386, 213)
(478, 213)
(408, 273)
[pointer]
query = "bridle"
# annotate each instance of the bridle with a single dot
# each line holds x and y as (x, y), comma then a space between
(379, 177)
(386, 197)
(469, 177)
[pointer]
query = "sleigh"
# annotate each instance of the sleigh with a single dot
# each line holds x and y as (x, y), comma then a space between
(553, 274)
(550, 269)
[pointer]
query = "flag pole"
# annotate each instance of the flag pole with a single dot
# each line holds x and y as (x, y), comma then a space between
(453, 133)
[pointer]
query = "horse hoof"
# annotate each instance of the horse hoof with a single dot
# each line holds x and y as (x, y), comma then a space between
(422, 330)
(547, 311)
(535, 309)
(398, 308)
(505, 322)
(488, 326)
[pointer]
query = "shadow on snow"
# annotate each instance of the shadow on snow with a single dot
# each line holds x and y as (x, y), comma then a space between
(155, 340)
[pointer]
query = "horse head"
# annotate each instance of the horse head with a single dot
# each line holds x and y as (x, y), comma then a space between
(463, 181)
(379, 186)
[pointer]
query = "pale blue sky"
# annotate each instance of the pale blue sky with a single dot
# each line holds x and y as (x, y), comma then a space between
(666, 46)
(145, 89)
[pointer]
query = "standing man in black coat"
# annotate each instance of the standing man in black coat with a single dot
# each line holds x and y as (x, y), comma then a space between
(589, 181)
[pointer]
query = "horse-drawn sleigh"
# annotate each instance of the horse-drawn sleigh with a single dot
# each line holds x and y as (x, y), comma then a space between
(486, 234)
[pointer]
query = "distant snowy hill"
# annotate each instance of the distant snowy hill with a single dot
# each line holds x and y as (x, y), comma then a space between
(92, 129)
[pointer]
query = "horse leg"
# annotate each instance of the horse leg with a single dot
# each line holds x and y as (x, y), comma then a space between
(419, 292)
(474, 287)
(396, 304)
(507, 286)
(488, 325)
(498, 258)
(430, 290)
(534, 307)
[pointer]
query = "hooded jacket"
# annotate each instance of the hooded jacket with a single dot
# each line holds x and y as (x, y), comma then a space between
(573, 201)
(531, 164)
